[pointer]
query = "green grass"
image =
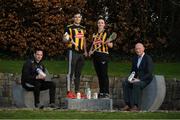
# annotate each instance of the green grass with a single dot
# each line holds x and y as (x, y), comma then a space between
(169, 70)
(59, 114)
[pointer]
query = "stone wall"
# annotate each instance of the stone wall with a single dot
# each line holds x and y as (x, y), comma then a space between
(171, 102)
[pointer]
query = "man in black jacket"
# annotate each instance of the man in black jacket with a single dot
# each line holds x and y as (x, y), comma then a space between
(142, 66)
(34, 78)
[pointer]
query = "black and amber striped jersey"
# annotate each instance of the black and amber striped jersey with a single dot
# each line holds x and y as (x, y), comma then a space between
(98, 42)
(77, 35)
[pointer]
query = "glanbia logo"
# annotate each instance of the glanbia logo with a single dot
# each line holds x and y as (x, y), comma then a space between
(79, 35)
(97, 41)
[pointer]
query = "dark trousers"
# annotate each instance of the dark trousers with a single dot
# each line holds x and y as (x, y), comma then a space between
(132, 92)
(75, 65)
(40, 85)
(101, 68)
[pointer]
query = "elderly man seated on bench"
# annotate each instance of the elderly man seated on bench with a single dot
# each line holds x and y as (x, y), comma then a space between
(140, 77)
(34, 79)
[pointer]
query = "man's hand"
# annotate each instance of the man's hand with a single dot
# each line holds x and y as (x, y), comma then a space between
(41, 77)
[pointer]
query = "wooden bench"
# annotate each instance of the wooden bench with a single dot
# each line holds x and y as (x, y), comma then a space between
(153, 95)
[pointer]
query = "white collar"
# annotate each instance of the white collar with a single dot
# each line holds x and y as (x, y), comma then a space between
(142, 55)
(76, 24)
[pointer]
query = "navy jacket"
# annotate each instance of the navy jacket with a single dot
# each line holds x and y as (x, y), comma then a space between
(145, 70)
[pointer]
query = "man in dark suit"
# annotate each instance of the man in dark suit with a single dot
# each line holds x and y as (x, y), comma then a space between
(142, 66)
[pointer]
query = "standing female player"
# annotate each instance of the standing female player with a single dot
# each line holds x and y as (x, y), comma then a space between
(100, 54)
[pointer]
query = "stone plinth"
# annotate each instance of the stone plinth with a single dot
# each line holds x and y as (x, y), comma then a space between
(88, 104)
(153, 95)
(23, 98)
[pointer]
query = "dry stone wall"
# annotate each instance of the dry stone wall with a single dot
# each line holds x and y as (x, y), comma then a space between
(7, 80)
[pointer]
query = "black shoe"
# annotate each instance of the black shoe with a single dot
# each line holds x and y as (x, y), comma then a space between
(126, 108)
(107, 95)
(134, 109)
(38, 105)
(53, 105)
(100, 95)
(103, 95)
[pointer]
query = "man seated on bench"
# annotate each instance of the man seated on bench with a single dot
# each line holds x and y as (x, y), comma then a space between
(34, 79)
(140, 77)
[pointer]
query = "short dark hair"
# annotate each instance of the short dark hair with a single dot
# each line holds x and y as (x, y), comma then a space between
(38, 49)
(76, 11)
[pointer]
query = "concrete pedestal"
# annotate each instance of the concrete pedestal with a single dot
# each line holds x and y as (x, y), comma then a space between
(23, 98)
(153, 95)
(88, 104)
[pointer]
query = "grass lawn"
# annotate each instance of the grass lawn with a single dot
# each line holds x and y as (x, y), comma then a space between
(169, 70)
(59, 114)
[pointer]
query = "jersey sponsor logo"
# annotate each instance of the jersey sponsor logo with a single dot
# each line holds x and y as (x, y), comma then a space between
(97, 41)
(79, 35)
